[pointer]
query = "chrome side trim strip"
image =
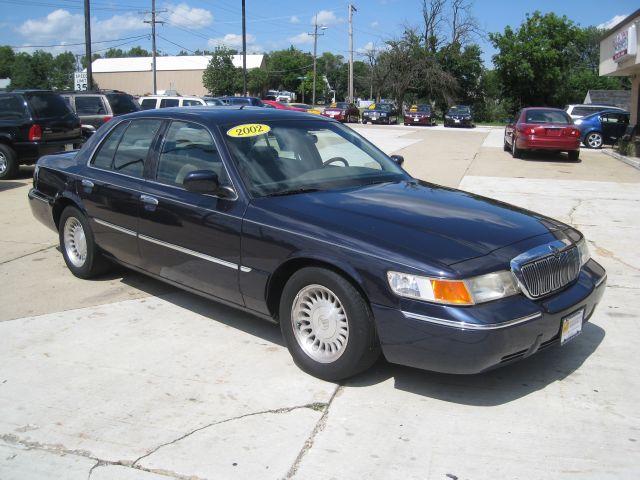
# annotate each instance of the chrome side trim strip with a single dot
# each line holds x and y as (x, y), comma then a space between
(472, 326)
(36, 196)
(193, 253)
(115, 227)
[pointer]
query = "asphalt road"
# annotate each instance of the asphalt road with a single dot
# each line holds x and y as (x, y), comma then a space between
(126, 378)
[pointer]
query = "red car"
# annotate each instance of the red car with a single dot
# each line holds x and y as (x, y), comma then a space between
(281, 106)
(542, 128)
(343, 112)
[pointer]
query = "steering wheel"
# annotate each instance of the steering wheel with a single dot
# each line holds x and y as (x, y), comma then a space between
(336, 159)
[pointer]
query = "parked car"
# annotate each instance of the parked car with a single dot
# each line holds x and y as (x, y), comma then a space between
(582, 110)
(602, 127)
(459, 116)
(34, 123)
(96, 108)
(296, 219)
(166, 101)
(281, 106)
(419, 115)
(343, 112)
(250, 101)
(306, 108)
(381, 113)
(213, 101)
(542, 128)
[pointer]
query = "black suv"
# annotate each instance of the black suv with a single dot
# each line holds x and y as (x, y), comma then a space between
(34, 123)
(97, 108)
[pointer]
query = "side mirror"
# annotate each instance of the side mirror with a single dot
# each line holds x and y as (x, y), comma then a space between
(399, 159)
(205, 181)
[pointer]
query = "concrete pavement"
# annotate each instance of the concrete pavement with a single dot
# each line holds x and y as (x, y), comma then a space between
(126, 378)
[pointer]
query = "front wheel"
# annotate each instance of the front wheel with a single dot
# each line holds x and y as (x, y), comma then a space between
(327, 325)
(8, 162)
(78, 247)
(593, 140)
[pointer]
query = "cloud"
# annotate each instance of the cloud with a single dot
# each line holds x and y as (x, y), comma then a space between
(182, 15)
(294, 19)
(375, 24)
(366, 49)
(612, 22)
(63, 27)
(301, 38)
(233, 40)
(326, 17)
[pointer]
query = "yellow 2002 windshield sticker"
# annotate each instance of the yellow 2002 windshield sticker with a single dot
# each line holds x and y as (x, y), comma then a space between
(248, 130)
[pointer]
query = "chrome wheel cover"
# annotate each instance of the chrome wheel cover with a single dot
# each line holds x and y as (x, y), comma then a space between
(320, 323)
(4, 163)
(594, 140)
(75, 242)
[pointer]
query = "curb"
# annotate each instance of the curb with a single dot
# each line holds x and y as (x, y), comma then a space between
(634, 162)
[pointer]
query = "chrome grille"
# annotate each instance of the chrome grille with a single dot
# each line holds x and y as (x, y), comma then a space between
(547, 274)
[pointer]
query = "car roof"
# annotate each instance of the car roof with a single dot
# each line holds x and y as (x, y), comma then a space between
(611, 110)
(544, 108)
(225, 115)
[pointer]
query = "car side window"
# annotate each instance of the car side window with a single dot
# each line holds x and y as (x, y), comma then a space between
(188, 147)
(169, 102)
(104, 157)
(190, 103)
(12, 107)
(89, 105)
(134, 147)
(148, 103)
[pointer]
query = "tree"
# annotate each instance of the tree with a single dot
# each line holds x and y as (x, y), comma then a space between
(7, 56)
(221, 77)
(63, 66)
(285, 68)
(257, 81)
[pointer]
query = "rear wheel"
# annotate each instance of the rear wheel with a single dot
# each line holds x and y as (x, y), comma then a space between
(78, 247)
(327, 325)
(574, 155)
(515, 151)
(8, 162)
(593, 140)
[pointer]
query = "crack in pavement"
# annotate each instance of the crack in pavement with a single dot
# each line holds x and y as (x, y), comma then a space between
(573, 211)
(28, 254)
(609, 254)
(317, 429)
(313, 406)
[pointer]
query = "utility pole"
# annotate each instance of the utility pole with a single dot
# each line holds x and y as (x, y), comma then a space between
(87, 41)
(315, 53)
(153, 22)
(244, 51)
(351, 10)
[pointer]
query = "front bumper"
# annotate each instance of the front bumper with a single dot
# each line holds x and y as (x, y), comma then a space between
(458, 122)
(410, 120)
(379, 120)
(466, 340)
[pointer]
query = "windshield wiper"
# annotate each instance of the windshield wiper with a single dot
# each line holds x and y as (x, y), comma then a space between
(293, 191)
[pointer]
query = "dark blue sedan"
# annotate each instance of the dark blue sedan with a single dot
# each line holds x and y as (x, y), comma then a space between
(299, 220)
(602, 127)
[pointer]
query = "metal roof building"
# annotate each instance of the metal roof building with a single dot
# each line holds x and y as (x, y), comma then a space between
(181, 73)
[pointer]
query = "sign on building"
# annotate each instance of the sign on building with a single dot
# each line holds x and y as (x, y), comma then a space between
(625, 44)
(80, 81)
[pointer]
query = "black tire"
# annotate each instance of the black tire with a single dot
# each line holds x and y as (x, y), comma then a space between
(515, 151)
(323, 288)
(8, 162)
(86, 265)
(574, 155)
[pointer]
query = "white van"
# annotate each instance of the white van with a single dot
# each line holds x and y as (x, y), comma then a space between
(584, 109)
(165, 101)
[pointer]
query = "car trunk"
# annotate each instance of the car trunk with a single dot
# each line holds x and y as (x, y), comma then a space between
(56, 120)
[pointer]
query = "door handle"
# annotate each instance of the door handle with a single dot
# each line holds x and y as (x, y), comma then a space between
(146, 199)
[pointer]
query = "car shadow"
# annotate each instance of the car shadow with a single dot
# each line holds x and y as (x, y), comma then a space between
(541, 156)
(9, 185)
(494, 387)
(491, 388)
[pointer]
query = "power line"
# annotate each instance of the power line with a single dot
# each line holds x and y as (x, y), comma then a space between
(77, 44)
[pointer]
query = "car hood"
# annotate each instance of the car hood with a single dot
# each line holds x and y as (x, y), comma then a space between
(409, 221)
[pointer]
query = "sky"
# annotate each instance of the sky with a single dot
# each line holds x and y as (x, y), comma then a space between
(56, 25)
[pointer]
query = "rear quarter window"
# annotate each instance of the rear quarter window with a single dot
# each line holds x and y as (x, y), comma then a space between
(12, 107)
(46, 105)
(89, 105)
(148, 103)
(169, 102)
(122, 103)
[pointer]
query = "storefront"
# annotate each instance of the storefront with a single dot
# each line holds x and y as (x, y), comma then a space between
(620, 56)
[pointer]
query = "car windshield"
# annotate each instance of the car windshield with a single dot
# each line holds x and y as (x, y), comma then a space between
(459, 110)
(385, 107)
(122, 103)
(422, 108)
(342, 105)
(293, 157)
(547, 116)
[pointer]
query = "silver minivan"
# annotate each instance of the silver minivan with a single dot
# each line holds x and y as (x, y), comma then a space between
(584, 109)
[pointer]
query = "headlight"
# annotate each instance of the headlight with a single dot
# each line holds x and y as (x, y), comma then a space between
(447, 116)
(483, 288)
(383, 114)
(583, 250)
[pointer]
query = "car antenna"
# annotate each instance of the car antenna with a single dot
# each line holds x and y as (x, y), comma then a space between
(241, 107)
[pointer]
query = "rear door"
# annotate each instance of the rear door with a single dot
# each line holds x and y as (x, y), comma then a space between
(92, 110)
(190, 238)
(112, 193)
(613, 126)
(57, 121)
